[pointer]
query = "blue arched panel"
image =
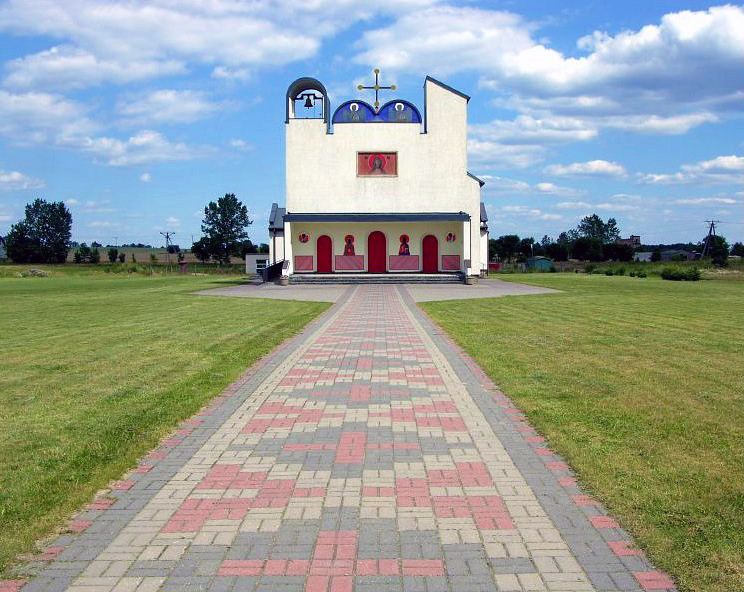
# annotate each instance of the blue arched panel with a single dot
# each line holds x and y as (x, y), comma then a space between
(399, 111)
(354, 112)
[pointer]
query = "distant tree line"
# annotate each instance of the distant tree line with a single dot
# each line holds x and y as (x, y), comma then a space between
(593, 239)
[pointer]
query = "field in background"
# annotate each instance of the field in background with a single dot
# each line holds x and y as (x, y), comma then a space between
(639, 384)
(97, 368)
(143, 255)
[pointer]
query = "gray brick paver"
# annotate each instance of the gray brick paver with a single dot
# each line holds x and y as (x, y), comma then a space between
(368, 453)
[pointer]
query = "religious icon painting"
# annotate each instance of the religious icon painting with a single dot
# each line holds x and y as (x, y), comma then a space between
(451, 237)
(404, 249)
(382, 164)
(303, 238)
(349, 245)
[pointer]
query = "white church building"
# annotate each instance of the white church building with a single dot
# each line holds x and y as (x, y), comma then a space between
(378, 188)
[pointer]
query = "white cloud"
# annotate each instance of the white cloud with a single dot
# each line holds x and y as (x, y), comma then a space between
(663, 78)
(145, 147)
(530, 212)
(145, 177)
(6, 218)
(232, 74)
(721, 169)
(700, 201)
(167, 106)
(66, 67)
(15, 181)
(72, 202)
(122, 41)
(573, 205)
(172, 222)
(241, 145)
(103, 224)
(596, 168)
(36, 118)
(505, 185)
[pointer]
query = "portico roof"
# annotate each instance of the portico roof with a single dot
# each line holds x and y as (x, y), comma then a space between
(376, 217)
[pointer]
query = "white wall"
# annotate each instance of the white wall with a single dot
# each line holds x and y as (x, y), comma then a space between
(432, 176)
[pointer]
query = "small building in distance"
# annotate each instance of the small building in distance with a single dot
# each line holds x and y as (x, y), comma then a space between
(255, 263)
(643, 256)
(633, 240)
(539, 263)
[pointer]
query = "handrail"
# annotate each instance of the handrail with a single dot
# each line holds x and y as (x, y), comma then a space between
(272, 272)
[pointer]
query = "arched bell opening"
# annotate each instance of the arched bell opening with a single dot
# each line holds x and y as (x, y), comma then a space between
(307, 98)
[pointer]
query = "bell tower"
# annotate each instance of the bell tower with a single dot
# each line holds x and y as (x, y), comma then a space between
(307, 98)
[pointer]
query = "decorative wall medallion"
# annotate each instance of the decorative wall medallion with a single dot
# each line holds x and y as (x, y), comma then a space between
(304, 237)
(451, 237)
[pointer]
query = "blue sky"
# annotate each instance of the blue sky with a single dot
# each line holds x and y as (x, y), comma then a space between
(138, 113)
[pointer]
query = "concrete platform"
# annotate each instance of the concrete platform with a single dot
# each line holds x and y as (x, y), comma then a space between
(490, 288)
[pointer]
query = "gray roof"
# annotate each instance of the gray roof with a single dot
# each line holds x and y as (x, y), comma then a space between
(276, 217)
(481, 182)
(483, 213)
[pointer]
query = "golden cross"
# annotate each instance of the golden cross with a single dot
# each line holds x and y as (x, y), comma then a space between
(377, 88)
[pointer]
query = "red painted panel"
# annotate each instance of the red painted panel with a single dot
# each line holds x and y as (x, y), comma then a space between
(404, 263)
(349, 262)
(376, 252)
(303, 262)
(451, 262)
(430, 254)
(325, 254)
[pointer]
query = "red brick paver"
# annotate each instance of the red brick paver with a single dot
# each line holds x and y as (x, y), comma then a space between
(366, 455)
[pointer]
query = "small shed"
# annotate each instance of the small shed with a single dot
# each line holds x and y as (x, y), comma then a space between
(256, 262)
(539, 263)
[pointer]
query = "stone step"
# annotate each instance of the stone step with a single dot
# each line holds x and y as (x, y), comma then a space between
(373, 278)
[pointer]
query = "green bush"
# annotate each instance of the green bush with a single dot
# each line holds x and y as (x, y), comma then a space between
(590, 268)
(609, 272)
(681, 274)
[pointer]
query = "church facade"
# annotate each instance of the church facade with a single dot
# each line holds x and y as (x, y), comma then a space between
(378, 189)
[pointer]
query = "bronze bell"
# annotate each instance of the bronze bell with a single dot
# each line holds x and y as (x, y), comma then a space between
(308, 102)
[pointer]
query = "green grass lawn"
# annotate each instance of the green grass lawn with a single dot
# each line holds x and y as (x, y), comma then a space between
(639, 383)
(96, 369)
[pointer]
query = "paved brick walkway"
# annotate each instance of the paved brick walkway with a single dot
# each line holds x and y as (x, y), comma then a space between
(368, 454)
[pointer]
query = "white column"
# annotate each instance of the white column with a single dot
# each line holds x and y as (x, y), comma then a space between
(466, 249)
(288, 247)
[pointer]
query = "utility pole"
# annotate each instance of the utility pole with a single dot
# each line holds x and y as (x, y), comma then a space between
(711, 232)
(116, 241)
(167, 236)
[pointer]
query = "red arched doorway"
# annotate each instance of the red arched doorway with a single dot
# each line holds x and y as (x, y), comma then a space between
(324, 253)
(430, 254)
(376, 252)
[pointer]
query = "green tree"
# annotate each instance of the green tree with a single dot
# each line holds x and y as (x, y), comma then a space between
(656, 255)
(594, 227)
(113, 254)
(200, 249)
(43, 236)
(507, 246)
(737, 249)
(527, 247)
(718, 250)
(224, 227)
